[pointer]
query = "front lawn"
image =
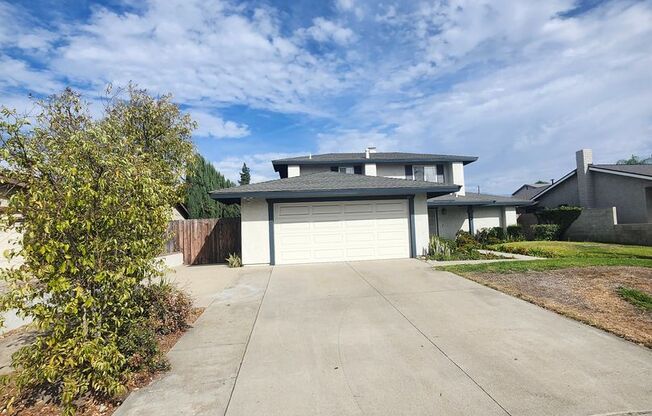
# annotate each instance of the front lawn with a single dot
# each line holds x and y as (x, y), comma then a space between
(575, 249)
(562, 255)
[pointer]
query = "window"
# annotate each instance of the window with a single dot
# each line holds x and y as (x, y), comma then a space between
(346, 169)
(429, 173)
(408, 172)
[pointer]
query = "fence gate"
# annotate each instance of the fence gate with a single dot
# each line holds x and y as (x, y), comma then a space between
(205, 241)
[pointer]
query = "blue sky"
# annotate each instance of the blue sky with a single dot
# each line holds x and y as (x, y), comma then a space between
(521, 84)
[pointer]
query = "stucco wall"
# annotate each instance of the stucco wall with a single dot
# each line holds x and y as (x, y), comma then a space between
(487, 217)
(457, 170)
(421, 228)
(451, 220)
(510, 216)
(563, 194)
(454, 219)
(390, 170)
(628, 195)
(254, 215)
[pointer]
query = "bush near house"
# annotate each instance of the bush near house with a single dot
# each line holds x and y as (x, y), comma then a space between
(562, 216)
(515, 233)
(546, 232)
(464, 247)
(93, 219)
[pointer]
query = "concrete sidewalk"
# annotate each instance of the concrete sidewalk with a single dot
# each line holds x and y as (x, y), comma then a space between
(390, 338)
(206, 360)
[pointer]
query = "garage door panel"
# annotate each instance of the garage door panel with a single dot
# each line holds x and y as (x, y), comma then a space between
(341, 231)
(398, 207)
(297, 240)
(293, 210)
(321, 239)
(326, 209)
(324, 226)
(364, 237)
(293, 228)
(366, 208)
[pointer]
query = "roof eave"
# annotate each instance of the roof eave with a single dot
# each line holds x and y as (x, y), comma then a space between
(481, 203)
(277, 163)
(235, 197)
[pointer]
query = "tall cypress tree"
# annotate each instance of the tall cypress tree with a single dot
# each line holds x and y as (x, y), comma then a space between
(202, 178)
(245, 175)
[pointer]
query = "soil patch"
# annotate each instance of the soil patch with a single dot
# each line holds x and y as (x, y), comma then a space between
(588, 294)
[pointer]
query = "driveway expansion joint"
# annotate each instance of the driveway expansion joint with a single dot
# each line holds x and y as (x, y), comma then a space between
(429, 340)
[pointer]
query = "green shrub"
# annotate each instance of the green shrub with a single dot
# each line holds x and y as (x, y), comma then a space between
(515, 233)
(440, 248)
(168, 308)
(562, 216)
(141, 347)
(464, 239)
(234, 260)
(546, 232)
(488, 236)
(93, 221)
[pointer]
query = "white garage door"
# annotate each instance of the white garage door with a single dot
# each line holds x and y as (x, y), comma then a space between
(341, 231)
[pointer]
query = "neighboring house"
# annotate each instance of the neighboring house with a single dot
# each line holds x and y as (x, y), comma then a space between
(628, 188)
(528, 190)
(180, 212)
(359, 206)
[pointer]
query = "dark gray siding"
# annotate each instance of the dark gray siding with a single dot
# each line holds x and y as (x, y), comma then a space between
(564, 193)
(627, 194)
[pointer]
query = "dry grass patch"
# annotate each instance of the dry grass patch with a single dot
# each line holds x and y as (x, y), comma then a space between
(588, 294)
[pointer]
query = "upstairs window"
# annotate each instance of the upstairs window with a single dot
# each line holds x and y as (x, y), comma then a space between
(429, 173)
(346, 169)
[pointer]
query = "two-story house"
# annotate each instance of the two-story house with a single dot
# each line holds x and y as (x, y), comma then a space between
(360, 206)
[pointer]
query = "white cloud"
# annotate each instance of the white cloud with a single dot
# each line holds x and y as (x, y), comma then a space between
(512, 82)
(554, 85)
(324, 30)
(260, 165)
(214, 126)
(353, 140)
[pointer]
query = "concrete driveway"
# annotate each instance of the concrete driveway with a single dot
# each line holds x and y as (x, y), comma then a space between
(390, 338)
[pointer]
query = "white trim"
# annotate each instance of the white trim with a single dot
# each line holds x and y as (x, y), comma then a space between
(567, 176)
(616, 172)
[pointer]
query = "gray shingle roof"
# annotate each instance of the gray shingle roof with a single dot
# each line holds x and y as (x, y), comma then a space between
(529, 193)
(477, 199)
(391, 157)
(331, 184)
(635, 169)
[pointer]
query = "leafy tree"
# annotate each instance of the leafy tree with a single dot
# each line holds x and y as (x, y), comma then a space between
(202, 178)
(93, 218)
(635, 160)
(245, 175)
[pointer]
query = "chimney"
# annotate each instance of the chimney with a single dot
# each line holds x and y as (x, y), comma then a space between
(584, 159)
(368, 151)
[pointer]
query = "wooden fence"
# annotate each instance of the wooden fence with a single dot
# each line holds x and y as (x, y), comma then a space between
(204, 241)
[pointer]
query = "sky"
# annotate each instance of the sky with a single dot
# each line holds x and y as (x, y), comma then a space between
(520, 84)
